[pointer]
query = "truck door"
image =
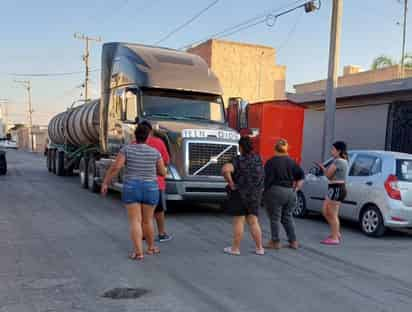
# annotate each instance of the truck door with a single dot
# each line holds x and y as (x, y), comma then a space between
(115, 137)
(130, 114)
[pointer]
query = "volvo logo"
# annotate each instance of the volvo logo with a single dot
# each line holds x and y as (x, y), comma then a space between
(214, 159)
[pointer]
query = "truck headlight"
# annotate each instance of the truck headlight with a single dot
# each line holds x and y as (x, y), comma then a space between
(172, 173)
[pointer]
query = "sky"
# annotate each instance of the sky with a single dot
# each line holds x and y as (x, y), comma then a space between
(37, 37)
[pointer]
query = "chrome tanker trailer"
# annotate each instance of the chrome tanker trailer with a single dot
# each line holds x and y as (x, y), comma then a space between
(177, 93)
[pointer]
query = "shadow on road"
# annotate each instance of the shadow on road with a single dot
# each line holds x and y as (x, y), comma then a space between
(354, 227)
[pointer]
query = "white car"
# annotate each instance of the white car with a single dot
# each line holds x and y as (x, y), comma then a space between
(379, 186)
(8, 144)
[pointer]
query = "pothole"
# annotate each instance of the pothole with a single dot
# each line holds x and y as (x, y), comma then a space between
(125, 293)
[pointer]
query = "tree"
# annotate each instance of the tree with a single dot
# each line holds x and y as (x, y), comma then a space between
(386, 61)
(382, 62)
(408, 60)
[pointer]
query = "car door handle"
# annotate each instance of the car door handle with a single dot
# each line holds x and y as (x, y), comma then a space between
(370, 183)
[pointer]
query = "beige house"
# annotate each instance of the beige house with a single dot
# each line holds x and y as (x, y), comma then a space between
(353, 75)
(244, 70)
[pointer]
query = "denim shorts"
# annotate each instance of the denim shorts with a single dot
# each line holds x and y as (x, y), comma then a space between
(140, 192)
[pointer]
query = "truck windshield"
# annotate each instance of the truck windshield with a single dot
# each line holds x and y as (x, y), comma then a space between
(182, 105)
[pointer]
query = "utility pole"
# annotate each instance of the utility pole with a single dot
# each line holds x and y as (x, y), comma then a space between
(330, 103)
(86, 60)
(27, 85)
(405, 13)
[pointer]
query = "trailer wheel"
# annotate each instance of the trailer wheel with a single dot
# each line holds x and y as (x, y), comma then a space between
(91, 175)
(47, 161)
(83, 172)
(3, 163)
(60, 163)
(53, 160)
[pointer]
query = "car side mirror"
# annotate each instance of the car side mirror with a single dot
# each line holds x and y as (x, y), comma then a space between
(315, 171)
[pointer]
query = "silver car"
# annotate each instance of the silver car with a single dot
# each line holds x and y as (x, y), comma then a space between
(379, 189)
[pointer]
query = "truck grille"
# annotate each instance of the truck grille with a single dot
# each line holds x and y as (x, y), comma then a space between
(201, 153)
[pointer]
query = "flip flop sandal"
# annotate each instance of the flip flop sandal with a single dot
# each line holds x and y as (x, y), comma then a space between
(136, 257)
(260, 252)
(331, 242)
(229, 251)
(153, 251)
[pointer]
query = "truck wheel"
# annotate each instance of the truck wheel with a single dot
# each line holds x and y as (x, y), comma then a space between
(91, 175)
(69, 171)
(3, 163)
(60, 163)
(83, 172)
(48, 160)
(53, 161)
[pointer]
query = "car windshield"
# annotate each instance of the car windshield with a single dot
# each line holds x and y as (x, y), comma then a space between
(404, 169)
(179, 105)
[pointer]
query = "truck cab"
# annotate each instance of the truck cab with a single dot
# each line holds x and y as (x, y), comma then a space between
(182, 99)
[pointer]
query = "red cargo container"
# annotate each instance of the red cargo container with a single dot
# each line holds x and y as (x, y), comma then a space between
(269, 121)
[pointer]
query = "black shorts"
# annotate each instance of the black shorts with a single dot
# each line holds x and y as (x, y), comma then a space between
(243, 205)
(337, 192)
(161, 206)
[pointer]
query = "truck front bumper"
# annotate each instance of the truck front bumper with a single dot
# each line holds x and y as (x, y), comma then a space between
(195, 190)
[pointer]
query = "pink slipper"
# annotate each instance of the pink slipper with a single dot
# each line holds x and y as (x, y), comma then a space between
(229, 251)
(330, 241)
(260, 251)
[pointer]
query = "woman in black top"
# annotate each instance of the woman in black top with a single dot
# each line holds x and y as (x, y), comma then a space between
(245, 177)
(282, 178)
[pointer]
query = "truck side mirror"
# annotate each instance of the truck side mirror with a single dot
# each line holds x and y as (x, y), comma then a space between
(233, 112)
(243, 114)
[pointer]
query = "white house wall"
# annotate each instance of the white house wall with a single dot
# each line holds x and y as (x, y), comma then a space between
(361, 127)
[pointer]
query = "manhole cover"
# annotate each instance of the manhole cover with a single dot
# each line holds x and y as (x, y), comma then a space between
(125, 293)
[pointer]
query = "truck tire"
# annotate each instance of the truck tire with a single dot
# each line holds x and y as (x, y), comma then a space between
(83, 172)
(53, 161)
(60, 163)
(3, 163)
(47, 161)
(91, 175)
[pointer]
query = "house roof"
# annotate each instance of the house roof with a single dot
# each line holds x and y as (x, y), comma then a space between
(377, 88)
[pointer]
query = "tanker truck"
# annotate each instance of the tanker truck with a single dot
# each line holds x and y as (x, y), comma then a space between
(177, 93)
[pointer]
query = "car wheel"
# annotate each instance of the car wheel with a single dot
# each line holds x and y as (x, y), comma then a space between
(83, 172)
(300, 210)
(91, 175)
(371, 222)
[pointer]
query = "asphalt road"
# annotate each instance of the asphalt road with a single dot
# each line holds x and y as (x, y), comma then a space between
(62, 247)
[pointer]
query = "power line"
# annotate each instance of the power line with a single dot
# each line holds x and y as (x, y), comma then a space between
(197, 15)
(250, 21)
(290, 33)
(48, 74)
(269, 17)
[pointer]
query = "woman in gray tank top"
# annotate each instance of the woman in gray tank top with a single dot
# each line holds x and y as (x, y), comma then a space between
(336, 173)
